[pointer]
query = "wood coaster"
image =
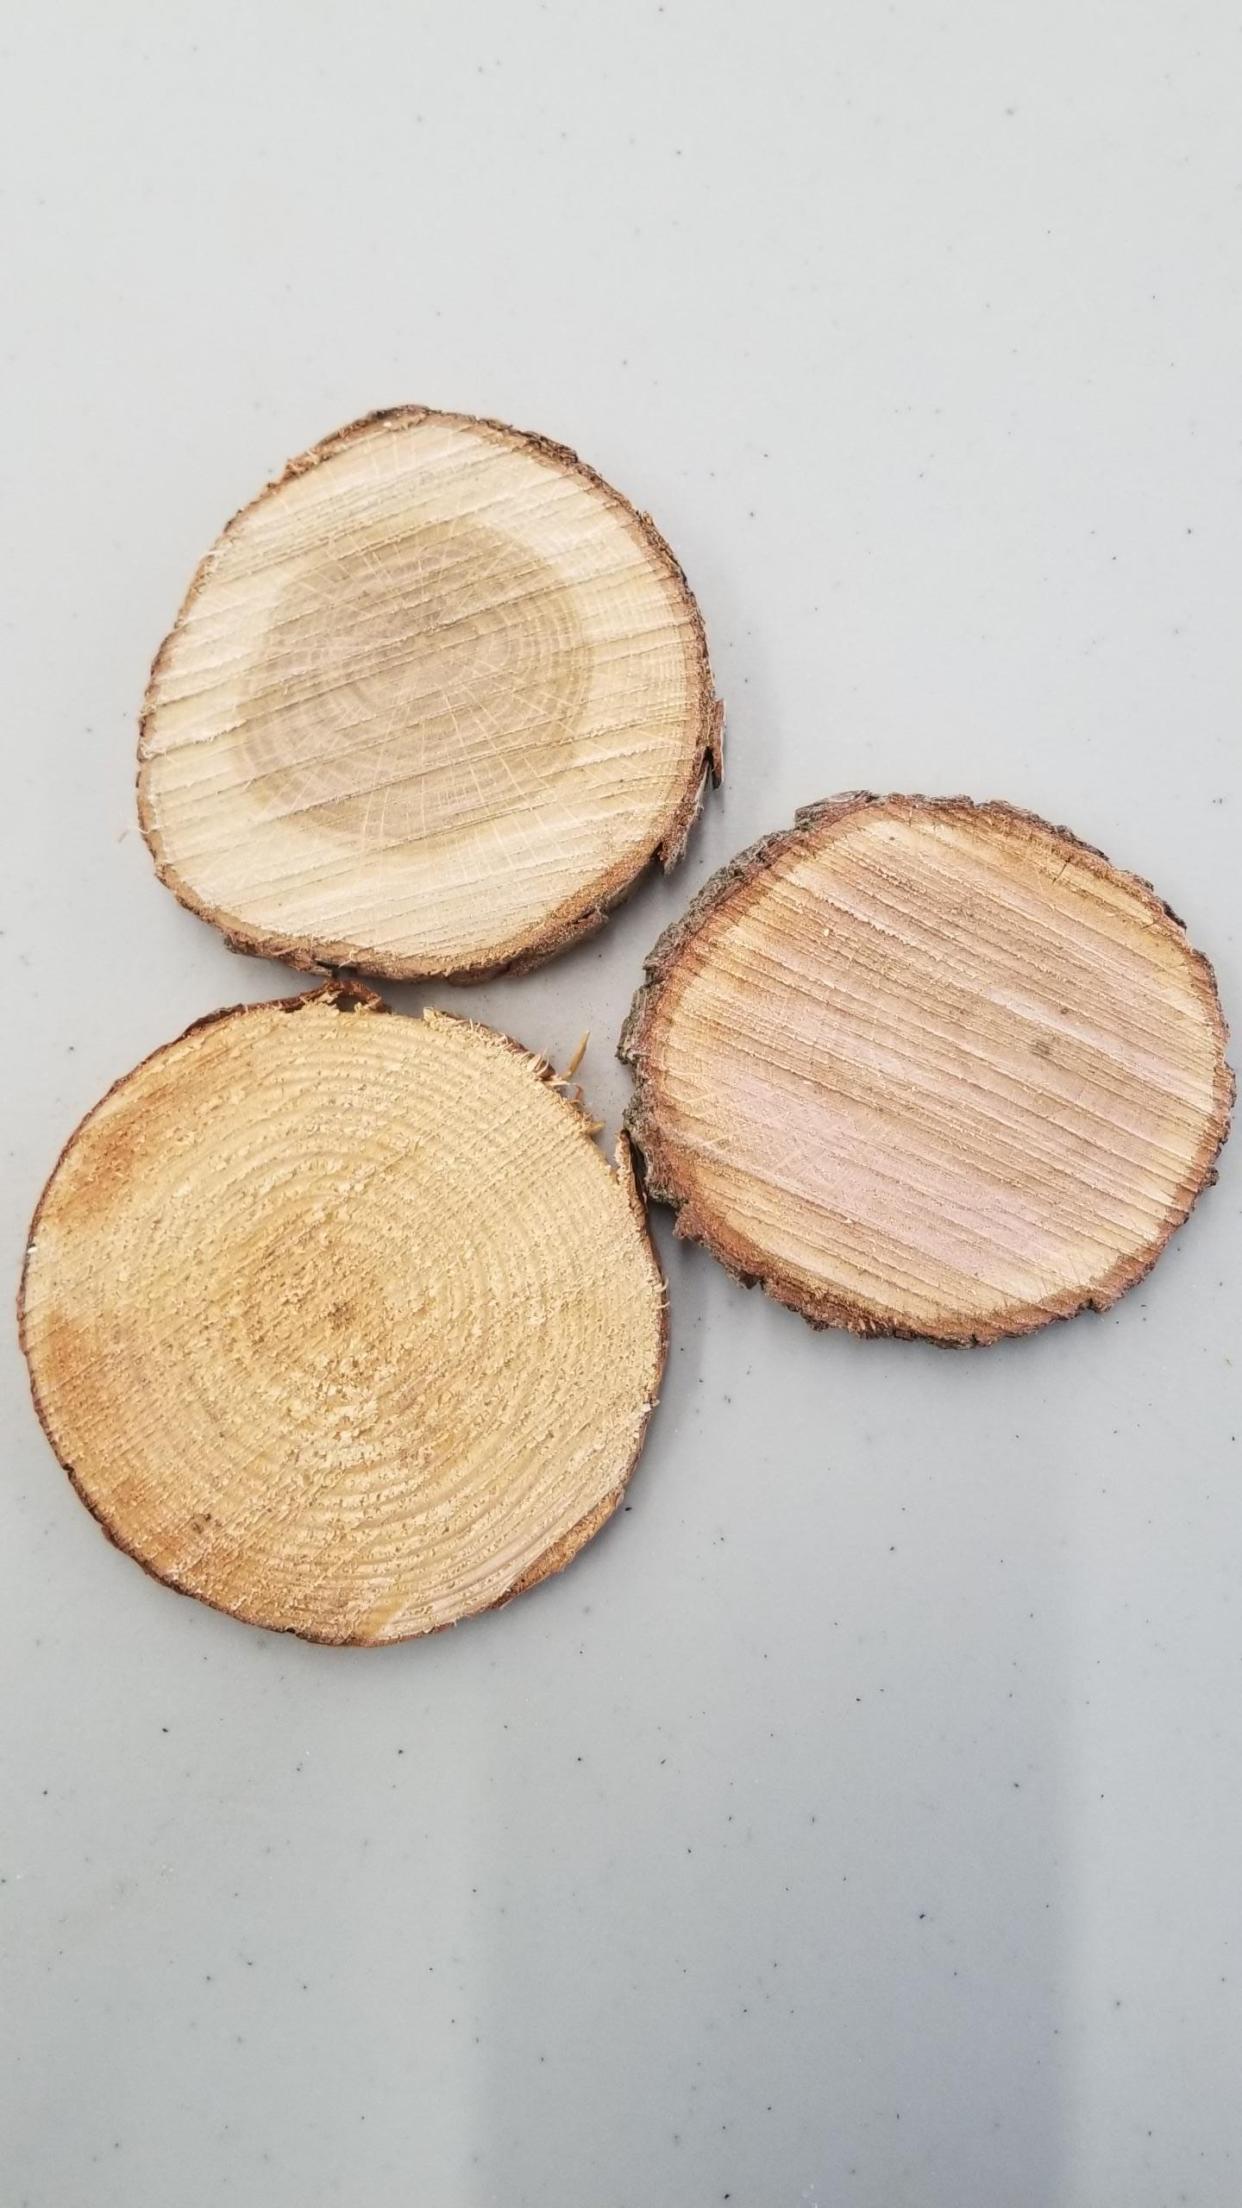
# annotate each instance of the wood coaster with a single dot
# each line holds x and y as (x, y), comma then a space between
(432, 704)
(343, 1322)
(925, 1067)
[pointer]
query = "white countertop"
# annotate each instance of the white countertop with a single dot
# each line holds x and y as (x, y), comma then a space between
(857, 1824)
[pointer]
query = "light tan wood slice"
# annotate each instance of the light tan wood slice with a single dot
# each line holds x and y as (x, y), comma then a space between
(433, 703)
(343, 1322)
(925, 1067)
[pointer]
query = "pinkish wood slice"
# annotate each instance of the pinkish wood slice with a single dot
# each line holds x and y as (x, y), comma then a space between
(929, 1068)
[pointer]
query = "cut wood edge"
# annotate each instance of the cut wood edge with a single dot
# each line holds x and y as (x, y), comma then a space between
(349, 996)
(574, 921)
(826, 1310)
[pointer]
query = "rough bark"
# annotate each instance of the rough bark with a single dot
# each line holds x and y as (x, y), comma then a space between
(344, 1324)
(928, 1068)
(432, 704)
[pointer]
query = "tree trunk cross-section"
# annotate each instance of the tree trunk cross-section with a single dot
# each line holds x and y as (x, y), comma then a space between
(432, 704)
(343, 1323)
(929, 1068)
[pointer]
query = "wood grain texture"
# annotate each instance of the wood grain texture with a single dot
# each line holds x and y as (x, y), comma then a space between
(929, 1068)
(432, 704)
(343, 1322)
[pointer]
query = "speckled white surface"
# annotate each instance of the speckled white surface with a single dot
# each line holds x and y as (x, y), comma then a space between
(857, 1824)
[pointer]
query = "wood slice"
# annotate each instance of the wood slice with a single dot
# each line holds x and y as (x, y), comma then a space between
(432, 704)
(344, 1323)
(925, 1067)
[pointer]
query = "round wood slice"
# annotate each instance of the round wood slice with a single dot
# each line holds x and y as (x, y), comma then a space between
(929, 1068)
(344, 1323)
(432, 704)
